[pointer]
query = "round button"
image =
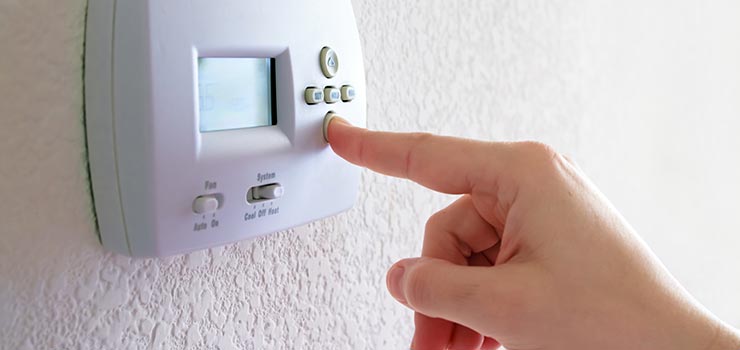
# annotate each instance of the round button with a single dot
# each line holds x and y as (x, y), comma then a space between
(329, 62)
(327, 119)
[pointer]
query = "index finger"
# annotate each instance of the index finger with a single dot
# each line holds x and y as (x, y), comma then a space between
(445, 164)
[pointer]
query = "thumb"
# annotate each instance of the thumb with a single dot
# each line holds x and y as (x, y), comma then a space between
(467, 295)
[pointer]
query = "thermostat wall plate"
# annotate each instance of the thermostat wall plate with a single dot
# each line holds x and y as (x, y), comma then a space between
(204, 119)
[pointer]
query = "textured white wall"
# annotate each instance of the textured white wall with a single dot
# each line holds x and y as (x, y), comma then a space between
(645, 95)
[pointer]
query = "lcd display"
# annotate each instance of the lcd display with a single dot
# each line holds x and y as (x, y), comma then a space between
(236, 93)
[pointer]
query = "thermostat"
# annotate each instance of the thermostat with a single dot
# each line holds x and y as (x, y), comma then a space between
(204, 119)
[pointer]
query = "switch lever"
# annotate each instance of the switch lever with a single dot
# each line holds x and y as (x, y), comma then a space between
(207, 204)
(266, 192)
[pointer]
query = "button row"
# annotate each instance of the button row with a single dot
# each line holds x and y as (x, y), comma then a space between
(329, 94)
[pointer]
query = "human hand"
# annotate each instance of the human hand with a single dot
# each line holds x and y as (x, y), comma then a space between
(531, 256)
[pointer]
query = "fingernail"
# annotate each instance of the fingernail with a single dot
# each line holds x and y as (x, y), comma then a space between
(395, 278)
(339, 119)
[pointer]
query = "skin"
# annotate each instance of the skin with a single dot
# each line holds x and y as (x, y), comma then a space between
(531, 256)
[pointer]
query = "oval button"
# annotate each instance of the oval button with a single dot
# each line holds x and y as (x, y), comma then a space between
(329, 62)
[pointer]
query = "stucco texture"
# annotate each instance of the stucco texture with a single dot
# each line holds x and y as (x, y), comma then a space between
(645, 95)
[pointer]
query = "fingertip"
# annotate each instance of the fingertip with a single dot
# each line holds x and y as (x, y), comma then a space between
(343, 137)
(341, 120)
(394, 279)
(329, 119)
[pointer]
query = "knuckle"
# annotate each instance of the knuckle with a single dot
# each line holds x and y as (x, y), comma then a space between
(540, 157)
(538, 149)
(420, 136)
(439, 238)
(434, 221)
(417, 138)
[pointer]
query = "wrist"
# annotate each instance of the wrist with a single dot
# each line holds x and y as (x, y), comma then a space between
(686, 325)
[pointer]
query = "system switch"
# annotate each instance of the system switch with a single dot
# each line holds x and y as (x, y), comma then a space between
(267, 192)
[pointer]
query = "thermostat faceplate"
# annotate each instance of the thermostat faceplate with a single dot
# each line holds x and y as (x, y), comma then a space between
(204, 120)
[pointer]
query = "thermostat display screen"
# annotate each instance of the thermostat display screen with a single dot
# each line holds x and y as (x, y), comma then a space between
(236, 93)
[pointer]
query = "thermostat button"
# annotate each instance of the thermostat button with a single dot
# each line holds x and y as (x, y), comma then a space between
(314, 95)
(273, 191)
(327, 119)
(332, 94)
(329, 62)
(205, 204)
(348, 93)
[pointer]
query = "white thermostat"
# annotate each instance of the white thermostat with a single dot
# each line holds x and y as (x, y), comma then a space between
(204, 118)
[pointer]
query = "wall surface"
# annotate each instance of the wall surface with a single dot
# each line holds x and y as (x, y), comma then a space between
(645, 95)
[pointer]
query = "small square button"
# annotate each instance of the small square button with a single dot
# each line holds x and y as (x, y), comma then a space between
(314, 95)
(332, 95)
(348, 93)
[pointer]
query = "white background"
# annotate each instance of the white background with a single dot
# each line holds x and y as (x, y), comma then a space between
(645, 95)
